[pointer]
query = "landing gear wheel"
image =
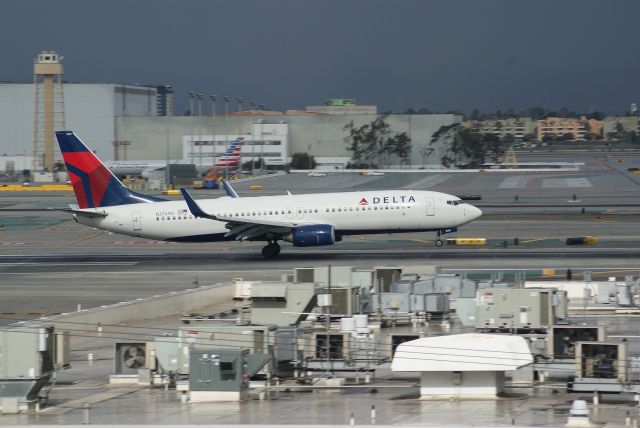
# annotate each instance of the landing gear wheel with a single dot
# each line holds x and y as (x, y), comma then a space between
(439, 242)
(271, 250)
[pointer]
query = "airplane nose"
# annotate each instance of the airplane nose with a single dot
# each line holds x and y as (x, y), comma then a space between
(475, 212)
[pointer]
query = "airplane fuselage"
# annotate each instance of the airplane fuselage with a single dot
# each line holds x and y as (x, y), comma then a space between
(349, 213)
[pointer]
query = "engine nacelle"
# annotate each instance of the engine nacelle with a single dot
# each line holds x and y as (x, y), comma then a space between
(312, 235)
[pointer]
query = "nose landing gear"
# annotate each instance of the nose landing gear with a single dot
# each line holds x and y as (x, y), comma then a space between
(438, 242)
(271, 250)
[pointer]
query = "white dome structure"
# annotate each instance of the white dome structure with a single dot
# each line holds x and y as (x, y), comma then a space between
(471, 365)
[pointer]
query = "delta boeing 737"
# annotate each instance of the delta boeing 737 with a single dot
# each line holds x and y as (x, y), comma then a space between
(303, 220)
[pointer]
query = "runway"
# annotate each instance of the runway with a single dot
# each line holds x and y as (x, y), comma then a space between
(50, 264)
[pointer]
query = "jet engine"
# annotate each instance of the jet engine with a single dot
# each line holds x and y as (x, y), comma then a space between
(312, 235)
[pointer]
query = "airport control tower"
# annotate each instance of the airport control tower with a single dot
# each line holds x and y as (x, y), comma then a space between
(49, 108)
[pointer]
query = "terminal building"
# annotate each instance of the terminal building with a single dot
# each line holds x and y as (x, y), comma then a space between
(276, 136)
(125, 122)
(136, 122)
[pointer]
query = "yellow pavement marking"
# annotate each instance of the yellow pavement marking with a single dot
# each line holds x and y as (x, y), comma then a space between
(422, 241)
(75, 241)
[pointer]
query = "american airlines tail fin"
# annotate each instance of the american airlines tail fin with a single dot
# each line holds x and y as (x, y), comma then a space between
(94, 185)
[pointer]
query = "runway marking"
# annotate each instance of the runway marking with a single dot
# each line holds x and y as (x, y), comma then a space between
(422, 241)
(512, 182)
(529, 241)
(68, 263)
(155, 272)
(75, 241)
(428, 182)
(563, 183)
(29, 314)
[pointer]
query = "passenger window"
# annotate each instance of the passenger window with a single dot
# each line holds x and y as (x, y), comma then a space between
(333, 210)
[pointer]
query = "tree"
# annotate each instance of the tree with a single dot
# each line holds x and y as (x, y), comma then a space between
(425, 152)
(508, 138)
(464, 148)
(302, 160)
(597, 115)
(375, 144)
(536, 113)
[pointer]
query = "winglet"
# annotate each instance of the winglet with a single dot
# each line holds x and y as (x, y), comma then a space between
(193, 205)
(229, 190)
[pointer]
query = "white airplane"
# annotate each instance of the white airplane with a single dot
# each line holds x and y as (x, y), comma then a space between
(303, 220)
(144, 168)
(139, 168)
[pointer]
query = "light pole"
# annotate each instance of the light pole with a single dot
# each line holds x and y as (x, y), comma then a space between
(239, 104)
(213, 105)
(226, 129)
(167, 178)
(191, 107)
(199, 104)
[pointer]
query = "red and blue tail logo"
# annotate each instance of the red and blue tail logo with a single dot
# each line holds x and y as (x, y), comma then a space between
(94, 185)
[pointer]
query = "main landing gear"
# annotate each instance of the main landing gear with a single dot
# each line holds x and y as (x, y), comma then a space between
(271, 250)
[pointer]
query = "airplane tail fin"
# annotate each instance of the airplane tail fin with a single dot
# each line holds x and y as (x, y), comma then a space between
(94, 185)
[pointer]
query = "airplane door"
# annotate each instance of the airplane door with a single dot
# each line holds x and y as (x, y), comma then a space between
(137, 221)
(430, 207)
(290, 213)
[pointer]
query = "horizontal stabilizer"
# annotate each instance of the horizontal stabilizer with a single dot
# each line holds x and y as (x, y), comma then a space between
(81, 213)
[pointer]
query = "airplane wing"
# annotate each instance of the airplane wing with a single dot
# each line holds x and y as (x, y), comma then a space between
(245, 228)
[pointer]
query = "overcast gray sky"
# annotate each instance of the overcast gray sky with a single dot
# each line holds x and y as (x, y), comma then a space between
(445, 54)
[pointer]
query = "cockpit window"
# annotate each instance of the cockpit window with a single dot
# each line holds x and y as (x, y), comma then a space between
(455, 202)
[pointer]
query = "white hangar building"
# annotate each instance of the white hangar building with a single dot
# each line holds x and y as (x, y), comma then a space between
(90, 110)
